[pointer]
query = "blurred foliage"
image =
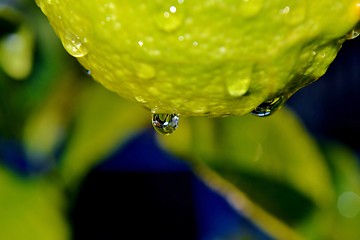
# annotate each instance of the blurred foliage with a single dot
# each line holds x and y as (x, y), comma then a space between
(102, 122)
(31, 208)
(273, 167)
(271, 170)
(25, 40)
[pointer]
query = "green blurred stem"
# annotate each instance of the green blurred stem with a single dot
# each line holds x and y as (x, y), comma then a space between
(242, 204)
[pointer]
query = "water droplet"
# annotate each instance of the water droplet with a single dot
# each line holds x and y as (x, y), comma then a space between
(140, 99)
(170, 20)
(173, 9)
(87, 72)
(269, 107)
(249, 8)
(145, 71)
(285, 10)
(238, 85)
(165, 123)
(294, 12)
(353, 33)
(74, 45)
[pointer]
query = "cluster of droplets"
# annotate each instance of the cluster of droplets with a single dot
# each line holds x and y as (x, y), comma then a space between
(165, 123)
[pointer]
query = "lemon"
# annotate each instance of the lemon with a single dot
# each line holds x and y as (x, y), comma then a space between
(204, 58)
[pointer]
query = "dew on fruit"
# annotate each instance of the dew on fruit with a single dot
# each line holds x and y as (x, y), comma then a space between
(269, 107)
(165, 123)
(145, 71)
(170, 20)
(140, 99)
(285, 10)
(249, 8)
(74, 45)
(353, 33)
(294, 12)
(239, 84)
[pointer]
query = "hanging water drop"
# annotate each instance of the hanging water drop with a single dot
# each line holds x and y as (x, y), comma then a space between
(353, 33)
(165, 123)
(269, 107)
(74, 45)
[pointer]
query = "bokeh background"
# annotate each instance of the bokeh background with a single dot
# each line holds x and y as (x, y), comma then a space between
(78, 162)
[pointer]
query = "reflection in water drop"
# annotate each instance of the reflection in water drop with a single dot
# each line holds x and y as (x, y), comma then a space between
(353, 33)
(269, 107)
(75, 46)
(165, 123)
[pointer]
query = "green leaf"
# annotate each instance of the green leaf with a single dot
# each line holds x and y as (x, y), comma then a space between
(16, 53)
(30, 52)
(341, 218)
(277, 148)
(272, 162)
(31, 209)
(103, 121)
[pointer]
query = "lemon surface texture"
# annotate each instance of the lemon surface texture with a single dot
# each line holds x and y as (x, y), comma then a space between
(204, 58)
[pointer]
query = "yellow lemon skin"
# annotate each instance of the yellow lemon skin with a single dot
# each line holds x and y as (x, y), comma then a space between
(203, 58)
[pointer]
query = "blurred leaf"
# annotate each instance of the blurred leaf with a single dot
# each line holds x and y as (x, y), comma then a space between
(341, 219)
(16, 53)
(276, 148)
(9, 20)
(103, 121)
(47, 127)
(30, 36)
(30, 209)
(272, 162)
